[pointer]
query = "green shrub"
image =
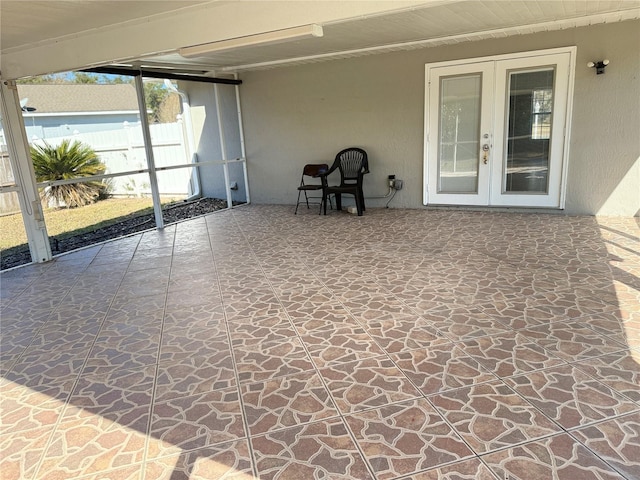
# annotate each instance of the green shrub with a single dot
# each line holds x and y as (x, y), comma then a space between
(67, 161)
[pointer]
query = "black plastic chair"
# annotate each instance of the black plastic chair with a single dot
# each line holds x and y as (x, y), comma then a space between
(311, 170)
(353, 164)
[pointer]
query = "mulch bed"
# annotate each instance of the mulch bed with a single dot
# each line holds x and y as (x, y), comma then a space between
(12, 257)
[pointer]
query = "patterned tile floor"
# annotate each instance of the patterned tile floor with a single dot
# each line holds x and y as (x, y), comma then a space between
(253, 343)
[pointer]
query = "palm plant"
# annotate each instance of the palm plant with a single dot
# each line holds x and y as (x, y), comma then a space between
(66, 161)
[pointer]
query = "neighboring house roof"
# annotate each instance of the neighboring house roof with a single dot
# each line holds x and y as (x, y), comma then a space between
(79, 97)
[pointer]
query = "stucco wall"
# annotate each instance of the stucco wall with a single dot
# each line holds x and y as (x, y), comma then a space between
(303, 114)
(207, 137)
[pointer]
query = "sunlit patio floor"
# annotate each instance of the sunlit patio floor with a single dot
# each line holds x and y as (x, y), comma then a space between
(255, 343)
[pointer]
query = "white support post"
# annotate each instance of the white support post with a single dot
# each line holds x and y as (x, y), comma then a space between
(20, 158)
(225, 169)
(148, 148)
(242, 147)
(223, 147)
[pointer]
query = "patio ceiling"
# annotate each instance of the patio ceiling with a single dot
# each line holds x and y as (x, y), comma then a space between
(35, 31)
(35, 21)
(433, 24)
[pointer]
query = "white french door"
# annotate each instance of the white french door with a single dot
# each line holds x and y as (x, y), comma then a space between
(495, 130)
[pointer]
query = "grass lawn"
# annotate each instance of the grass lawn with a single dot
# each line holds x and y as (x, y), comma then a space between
(76, 220)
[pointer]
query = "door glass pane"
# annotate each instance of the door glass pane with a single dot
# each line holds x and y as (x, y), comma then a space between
(458, 145)
(529, 116)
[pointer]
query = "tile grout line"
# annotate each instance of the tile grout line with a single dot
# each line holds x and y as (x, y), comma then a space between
(245, 424)
(601, 457)
(316, 371)
(147, 437)
(385, 354)
(271, 218)
(388, 356)
(76, 381)
(74, 384)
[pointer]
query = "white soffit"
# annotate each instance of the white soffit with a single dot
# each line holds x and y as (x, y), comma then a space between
(426, 27)
(26, 22)
(35, 24)
(431, 25)
(47, 36)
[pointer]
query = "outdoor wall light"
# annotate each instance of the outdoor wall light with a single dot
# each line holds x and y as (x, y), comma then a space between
(599, 65)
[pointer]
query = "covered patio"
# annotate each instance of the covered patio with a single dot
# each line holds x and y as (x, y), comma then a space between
(453, 336)
(252, 343)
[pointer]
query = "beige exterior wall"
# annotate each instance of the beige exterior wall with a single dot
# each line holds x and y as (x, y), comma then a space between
(303, 114)
(208, 146)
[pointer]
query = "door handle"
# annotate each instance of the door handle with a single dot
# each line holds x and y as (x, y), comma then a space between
(485, 153)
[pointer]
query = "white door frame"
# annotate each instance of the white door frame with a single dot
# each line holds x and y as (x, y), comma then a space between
(481, 195)
(568, 75)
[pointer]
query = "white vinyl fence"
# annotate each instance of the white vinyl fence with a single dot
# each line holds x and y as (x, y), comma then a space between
(9, 200)
(123, 150)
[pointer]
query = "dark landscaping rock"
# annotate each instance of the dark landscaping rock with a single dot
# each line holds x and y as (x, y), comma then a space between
(173, 213)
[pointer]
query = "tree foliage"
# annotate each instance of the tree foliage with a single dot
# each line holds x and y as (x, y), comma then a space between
(85, 78)
(154, 96)
(67, 161)
(39, 80)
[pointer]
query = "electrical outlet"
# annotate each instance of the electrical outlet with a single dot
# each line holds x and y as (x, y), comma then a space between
(391, 180)
(397, 184)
